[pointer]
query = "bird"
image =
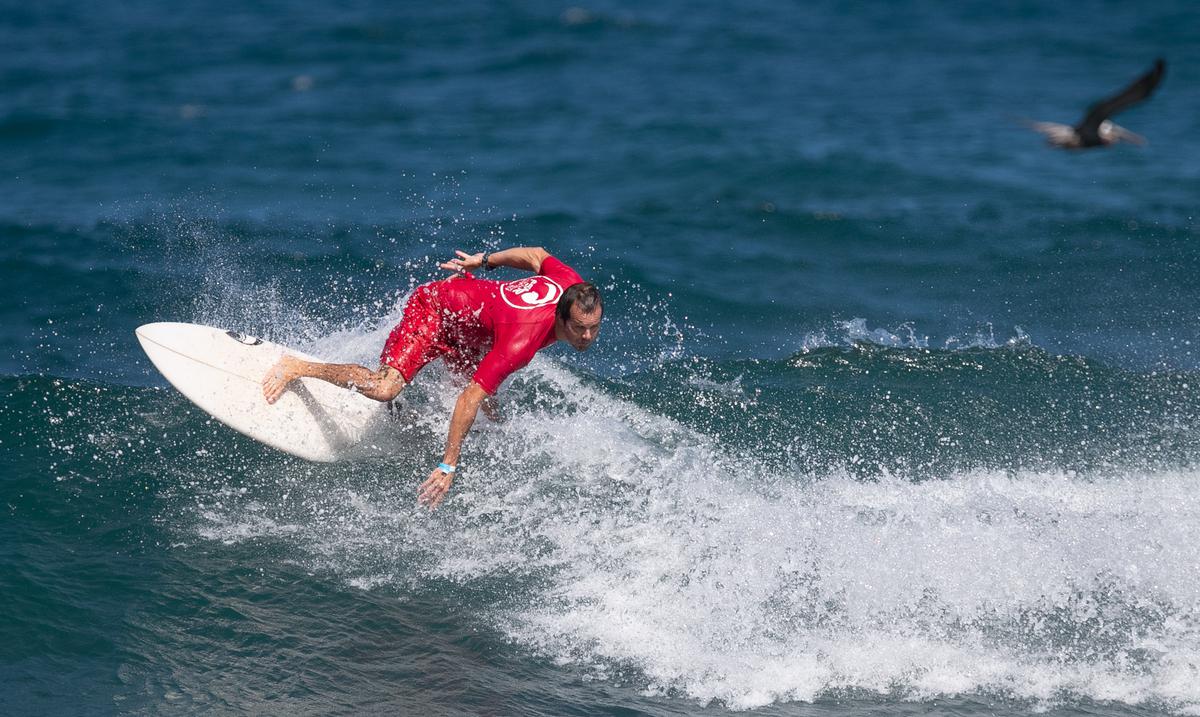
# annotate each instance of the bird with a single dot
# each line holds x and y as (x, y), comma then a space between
(1096, 130)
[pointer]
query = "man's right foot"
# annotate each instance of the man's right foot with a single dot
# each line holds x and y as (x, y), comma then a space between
(275, 382)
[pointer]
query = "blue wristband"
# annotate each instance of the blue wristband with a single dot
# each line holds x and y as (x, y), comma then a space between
(447, 468)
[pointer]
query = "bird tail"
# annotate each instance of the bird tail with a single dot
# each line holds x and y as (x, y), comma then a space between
(1058, 135)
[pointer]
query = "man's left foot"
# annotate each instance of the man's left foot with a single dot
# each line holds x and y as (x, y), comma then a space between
(275, 382)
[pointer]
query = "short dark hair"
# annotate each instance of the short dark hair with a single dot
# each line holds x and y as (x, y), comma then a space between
(585, 295)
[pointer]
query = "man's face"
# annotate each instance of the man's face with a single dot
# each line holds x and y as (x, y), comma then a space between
(580, 330)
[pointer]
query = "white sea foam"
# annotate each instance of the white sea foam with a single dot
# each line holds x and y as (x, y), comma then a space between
(856, 331)
(722, 583)
(633, 541)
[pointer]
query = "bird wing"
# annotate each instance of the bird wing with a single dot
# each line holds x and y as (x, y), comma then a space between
(1141, 88)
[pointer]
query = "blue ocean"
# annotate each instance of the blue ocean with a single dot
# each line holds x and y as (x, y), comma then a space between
(895, 409)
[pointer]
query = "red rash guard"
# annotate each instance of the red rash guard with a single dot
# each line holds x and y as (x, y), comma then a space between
(464, 318)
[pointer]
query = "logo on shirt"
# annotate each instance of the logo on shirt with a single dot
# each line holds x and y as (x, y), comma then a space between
(531, 292)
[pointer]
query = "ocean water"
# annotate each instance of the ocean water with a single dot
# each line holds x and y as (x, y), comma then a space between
(894, 411)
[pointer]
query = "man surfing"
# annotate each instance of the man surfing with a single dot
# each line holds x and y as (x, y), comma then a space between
(492, 327)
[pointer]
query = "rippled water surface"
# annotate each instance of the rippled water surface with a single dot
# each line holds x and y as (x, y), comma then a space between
(894, 410)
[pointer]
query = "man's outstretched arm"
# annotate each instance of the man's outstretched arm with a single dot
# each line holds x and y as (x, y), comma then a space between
(529, 258)
(433, 490)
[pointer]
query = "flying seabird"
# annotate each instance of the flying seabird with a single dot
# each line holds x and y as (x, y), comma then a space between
(1096, 130)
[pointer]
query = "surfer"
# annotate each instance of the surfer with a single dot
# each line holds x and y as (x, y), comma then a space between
(492, 327)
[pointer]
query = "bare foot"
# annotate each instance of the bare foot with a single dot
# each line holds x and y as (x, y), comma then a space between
(275, 382)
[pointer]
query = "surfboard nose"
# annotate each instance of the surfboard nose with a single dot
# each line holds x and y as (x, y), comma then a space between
(163, 333)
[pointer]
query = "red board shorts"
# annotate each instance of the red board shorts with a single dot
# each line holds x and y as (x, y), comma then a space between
(421, 337)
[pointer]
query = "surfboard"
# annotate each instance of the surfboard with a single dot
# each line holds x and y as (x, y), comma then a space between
(221, 372)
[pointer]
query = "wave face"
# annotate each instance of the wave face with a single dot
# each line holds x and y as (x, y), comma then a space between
(855, 522)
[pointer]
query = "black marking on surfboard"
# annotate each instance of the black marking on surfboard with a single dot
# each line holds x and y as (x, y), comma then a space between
(244, 338)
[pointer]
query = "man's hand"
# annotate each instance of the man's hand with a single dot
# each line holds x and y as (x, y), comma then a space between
(464, 263)
(528, 258)
(434, 489)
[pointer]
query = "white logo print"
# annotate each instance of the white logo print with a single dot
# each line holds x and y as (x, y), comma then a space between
(530, 293)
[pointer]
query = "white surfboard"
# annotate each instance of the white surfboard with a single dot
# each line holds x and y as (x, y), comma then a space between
(221, 372)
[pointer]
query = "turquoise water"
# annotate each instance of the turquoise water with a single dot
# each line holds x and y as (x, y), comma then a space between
(894, 409)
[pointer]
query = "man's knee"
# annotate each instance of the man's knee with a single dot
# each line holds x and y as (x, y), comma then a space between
(388, 384)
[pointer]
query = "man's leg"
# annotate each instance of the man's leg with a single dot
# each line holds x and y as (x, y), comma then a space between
(410, 345)
(382, 385)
